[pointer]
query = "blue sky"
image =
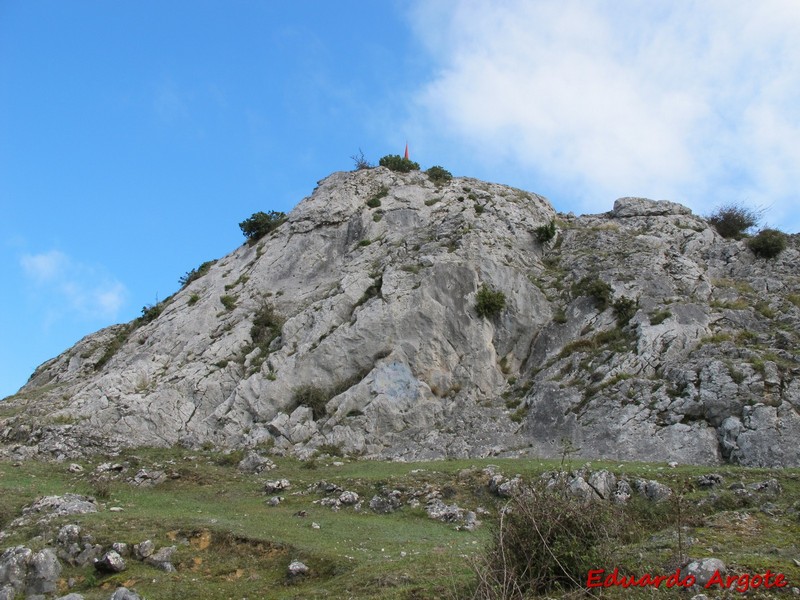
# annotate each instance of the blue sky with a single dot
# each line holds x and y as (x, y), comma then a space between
(135, 136)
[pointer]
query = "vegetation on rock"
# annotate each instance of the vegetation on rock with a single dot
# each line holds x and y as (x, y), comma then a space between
(260, 224)
(768, 243)
(395, 162)
(488, 302)
(733, 220)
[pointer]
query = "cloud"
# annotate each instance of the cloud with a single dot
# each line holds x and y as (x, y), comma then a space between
(69, 286)
(695, 102)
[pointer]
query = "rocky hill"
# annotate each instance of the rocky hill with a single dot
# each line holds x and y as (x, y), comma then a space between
(393, 316)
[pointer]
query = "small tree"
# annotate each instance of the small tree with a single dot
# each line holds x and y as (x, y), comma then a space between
(395, 162)
(439, 175)
(733, 220)
(545, 233)
(768, 243)
(260, 224)
(488, 302)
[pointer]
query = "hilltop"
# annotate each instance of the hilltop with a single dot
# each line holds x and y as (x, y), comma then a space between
(395, 316)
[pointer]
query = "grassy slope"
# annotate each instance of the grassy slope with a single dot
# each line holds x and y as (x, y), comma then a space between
(232, 545)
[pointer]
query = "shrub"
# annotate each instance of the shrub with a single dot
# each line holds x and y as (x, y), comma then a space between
(314, 398)
(361, 161)
(260, 224)
(624, 309)
(595, 288)
(545, 233)
(228, 301)
(193, 299)
(658, 317)
(439, 175)
(150, 313)
(768, 243)
(196, 273)
(266, 327)
(546, 541)
(395, 162)
(375, 201)
(489, 303)
(733, 220)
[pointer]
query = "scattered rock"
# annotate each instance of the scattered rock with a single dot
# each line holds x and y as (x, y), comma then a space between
(162, 559)
(297, 569)
(275, 500)
(110, 562)
(769, 487)
(447, 513)
(709, 480)
(270, 487)
(145, 478)
(385, 504)
(72, 596)
(254, 463)
(75, 468)
(348, 498)
(143, 550)
(314, 525)
(652, 490)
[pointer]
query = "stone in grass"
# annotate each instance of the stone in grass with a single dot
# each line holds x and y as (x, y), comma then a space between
(162, 559)
(143, 550)
(123, 593)
(110, 562)
(297, 569)
(703, 570)
(270, 487)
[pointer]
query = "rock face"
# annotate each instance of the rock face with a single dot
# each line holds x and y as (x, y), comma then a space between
(635, 334)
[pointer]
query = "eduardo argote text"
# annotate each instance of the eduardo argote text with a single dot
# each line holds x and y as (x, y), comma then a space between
(741, 583)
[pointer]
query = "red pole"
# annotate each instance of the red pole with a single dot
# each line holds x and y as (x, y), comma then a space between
(406, 155)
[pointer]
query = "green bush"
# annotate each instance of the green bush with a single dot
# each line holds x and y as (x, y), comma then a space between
(595, 288)
(489, 303)
(624, 309)
(395, 162)
(545, 233)
(375, 201)
(314, 398)
(733, 220)
(768, 243)
(228, 301)
(547, 541)
(266, 327)
(439, 175)
(260, 224)
(150, 313)
(196, 273)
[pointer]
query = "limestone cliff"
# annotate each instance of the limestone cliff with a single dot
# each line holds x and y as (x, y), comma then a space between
(635, 334)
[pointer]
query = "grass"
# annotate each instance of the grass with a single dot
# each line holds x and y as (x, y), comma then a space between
(232, 545)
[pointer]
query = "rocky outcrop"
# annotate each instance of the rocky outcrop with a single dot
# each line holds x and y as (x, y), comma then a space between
(635, 334)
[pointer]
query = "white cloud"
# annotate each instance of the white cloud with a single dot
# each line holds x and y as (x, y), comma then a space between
(691, 101)
(69, 286)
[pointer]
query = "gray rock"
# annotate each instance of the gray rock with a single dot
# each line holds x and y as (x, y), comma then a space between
(384, 504)
(110, 562)
(72, 596)
(604, 483)
(447, 513)
(297, 569)
(642, 207)
(270, 487)
(254, 463)
(43, 573)
(703, 569)
(122, 593)
(144, 549)
(162, 559)
(770, 487)
(710, 480)
(653, 490)
(14, 563)
(348, 498)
